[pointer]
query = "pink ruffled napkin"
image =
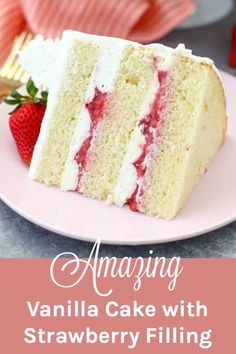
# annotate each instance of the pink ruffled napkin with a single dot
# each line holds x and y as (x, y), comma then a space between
(140, 20)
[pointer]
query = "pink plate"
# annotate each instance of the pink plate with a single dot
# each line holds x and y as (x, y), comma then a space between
(212, 205)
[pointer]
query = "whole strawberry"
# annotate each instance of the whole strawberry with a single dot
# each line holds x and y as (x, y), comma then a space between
(25, 121)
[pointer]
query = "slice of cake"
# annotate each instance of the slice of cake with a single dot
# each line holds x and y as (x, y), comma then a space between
(126, 123)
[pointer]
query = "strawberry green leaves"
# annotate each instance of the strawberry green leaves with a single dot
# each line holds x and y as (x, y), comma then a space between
(31, 88)
(18, 100)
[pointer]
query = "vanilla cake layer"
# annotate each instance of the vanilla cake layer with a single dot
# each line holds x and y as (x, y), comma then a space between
(194, 129)
(126, 123)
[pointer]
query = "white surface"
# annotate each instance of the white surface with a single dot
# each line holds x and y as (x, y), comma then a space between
(207, 12)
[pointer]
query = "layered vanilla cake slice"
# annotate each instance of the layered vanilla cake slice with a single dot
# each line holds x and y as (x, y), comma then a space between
(126, 123)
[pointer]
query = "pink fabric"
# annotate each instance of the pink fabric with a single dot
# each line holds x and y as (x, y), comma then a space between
(141, 20)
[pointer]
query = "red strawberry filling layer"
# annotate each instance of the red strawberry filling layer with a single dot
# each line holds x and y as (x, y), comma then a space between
(150, 126)
(96, 109)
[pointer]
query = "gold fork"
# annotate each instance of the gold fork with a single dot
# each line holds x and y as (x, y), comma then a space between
(12, 75)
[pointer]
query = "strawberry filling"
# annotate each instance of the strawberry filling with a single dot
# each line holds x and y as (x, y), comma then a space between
(150, 126)
(96, 109)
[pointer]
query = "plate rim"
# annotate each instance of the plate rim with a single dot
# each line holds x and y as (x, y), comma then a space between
(127, 242)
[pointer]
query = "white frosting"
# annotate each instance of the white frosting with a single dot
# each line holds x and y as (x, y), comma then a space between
(38, 59)
(50, 75)
(179, 50)
(103, 78)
